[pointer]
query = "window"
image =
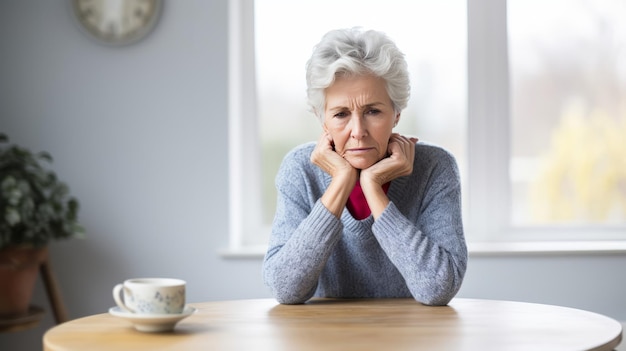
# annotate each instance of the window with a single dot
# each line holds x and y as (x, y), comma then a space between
(469, 63)
(568, 112)
(436, 110)
(507, 140)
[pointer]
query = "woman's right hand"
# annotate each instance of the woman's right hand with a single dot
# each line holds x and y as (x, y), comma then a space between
(343, 175)
(325, 157)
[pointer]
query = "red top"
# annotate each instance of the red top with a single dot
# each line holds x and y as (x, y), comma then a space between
(357, 205)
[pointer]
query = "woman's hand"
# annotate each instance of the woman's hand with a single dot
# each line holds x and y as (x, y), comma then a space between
(343, 175)
(401, 152)
(325, 157)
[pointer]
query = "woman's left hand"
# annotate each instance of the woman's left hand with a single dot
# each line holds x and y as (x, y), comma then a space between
(401, 151)
(399, 163)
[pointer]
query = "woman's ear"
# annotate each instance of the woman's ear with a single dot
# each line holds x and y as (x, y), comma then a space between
(397, 120)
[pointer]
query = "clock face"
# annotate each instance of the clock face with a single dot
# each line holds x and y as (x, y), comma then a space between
(117, 22)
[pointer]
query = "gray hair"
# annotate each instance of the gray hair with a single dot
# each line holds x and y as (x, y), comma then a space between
(353, 52)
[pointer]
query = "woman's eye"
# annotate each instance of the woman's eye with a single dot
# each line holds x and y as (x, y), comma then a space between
(373, 111)
(340, 115)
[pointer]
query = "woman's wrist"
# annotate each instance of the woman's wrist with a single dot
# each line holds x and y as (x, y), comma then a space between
(338, 192)
(375, 196)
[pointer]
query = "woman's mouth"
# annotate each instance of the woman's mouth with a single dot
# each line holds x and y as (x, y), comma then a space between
(358, 150)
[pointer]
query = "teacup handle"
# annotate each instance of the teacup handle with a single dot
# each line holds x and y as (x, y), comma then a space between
(117, 296)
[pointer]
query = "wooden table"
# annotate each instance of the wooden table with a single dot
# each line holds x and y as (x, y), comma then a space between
(337, 324)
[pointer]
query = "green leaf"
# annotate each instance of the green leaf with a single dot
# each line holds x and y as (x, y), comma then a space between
(35, 205)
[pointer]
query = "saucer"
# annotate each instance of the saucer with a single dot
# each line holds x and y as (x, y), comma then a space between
(152, 323)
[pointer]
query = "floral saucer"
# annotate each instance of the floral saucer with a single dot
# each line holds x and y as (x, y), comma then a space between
(152, 323)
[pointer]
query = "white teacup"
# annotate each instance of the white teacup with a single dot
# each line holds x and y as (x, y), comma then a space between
(151, 295)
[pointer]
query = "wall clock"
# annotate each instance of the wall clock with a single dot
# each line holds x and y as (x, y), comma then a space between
(117, 22)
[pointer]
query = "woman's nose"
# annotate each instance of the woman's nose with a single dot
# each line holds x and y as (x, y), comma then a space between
(359, 130)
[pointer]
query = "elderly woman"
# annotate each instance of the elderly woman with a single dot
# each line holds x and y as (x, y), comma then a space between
(364, 212)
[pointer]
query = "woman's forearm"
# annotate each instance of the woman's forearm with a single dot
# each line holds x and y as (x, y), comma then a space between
(338, 192)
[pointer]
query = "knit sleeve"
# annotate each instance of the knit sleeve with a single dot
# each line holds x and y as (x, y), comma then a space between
(430, 250)
(303, 236)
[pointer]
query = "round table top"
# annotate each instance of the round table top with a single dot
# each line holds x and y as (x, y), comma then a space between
(352, 324)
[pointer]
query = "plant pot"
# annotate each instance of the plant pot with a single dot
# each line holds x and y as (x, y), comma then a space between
(19, 268)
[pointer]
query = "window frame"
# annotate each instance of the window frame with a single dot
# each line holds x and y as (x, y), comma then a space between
(487, 217)
(244, 190)
(488, 98)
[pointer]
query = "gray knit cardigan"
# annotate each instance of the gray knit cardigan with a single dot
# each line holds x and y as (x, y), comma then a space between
(415, 249)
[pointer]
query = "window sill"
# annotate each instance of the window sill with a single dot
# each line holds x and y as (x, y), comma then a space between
(252, 251)
(547, 248)
(486, 249)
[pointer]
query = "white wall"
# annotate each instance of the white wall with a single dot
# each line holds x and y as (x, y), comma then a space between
(140, 135)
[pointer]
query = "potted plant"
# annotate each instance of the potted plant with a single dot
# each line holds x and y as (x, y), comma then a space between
(35, 208)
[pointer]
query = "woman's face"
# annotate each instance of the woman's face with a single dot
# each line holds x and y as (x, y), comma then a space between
(359, 116)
